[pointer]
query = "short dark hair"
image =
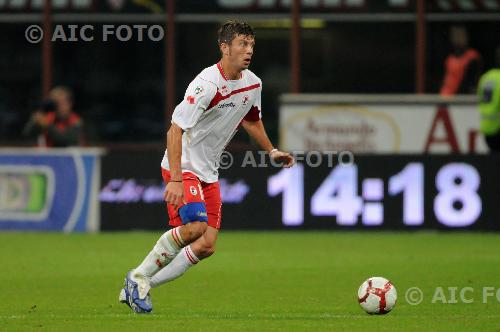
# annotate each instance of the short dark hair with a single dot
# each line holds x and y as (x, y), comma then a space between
(229, 30)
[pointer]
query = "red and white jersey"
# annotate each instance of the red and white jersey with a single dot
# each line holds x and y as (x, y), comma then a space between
(212, 109)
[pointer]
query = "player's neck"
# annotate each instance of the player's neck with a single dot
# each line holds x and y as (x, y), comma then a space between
(229, 72)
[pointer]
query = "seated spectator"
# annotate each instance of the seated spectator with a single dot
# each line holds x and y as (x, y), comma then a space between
(55, 122)
(462, 66)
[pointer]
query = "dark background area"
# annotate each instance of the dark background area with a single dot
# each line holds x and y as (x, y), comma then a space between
(120, 86)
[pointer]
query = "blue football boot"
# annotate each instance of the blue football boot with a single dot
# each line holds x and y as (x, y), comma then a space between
(130, 296)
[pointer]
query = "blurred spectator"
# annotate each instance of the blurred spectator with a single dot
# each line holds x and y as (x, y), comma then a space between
(489, 104)
(462, 66)
(55, 122)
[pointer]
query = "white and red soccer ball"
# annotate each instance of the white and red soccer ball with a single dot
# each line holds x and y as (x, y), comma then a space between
(377, 295)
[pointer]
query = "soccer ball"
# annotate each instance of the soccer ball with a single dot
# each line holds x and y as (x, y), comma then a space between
(377, 295)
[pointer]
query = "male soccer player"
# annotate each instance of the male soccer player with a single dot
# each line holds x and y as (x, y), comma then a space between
(216, 102)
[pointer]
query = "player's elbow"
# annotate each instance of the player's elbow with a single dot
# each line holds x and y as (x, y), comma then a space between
(174, 131)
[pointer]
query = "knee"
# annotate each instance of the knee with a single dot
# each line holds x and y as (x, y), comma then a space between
(195, 229)
(205, 251)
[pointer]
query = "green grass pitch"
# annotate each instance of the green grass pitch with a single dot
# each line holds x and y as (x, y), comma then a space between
(256, 281)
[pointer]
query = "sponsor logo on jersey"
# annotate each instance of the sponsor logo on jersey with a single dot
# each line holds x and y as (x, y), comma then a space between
(245, 100)
(231, 104)
(198, 90)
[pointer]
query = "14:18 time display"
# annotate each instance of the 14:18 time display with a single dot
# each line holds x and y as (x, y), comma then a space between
(456, 204)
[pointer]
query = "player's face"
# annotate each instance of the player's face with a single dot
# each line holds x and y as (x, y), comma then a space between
(241, 51)
(63, 102)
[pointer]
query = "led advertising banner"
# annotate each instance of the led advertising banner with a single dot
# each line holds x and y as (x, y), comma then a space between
(375, 192)
(49, 190)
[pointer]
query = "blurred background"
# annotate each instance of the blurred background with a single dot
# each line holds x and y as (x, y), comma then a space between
(395, 82)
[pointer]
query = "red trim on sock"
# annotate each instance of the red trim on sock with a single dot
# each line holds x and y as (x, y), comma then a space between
(188, 255)
(176, 237)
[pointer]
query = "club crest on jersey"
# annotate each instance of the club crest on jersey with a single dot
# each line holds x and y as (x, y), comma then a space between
(245, 100)
(224, 90)
(198, 90)
(193, 191)
(190, 100)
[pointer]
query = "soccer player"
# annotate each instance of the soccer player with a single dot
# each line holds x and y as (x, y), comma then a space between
(220, 99)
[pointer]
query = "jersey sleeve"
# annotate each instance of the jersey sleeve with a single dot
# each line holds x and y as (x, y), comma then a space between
(198, 96)
(255, 114)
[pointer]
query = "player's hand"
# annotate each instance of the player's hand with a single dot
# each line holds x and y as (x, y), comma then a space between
(39, 118)
(283, 157)
(174, 193)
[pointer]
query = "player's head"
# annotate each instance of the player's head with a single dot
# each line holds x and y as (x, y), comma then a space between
(236, 42)
(63, 98)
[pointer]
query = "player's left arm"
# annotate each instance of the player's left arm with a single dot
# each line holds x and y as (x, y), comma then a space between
(257, 131)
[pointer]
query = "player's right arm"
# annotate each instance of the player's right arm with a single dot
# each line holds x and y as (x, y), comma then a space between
(186, 115)
(174, 193)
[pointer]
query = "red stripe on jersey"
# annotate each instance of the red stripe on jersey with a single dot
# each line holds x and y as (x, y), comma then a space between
(219, 97)
(252, 115)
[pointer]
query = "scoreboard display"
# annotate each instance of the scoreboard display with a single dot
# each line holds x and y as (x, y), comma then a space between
(374, 192)
(414, 193)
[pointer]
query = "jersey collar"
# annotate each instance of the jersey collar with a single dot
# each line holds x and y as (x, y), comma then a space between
(221, 71)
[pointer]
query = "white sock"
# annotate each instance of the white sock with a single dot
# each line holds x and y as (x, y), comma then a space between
(166, 249)
(181, 263)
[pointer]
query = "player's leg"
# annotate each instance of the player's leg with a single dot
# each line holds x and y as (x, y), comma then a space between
(168, 246)
(188, 257)
(203, 247)
(137, 282)
(191, 219)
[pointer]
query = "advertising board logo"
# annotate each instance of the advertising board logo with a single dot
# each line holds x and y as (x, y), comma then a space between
(340, 127)
(26, 192)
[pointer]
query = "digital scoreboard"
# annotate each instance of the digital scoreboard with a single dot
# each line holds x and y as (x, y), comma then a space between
(350, 199)
(374, 192)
